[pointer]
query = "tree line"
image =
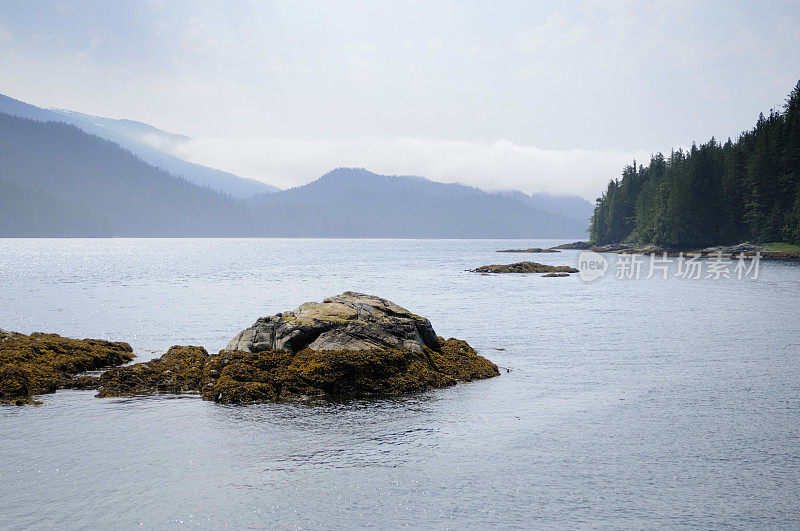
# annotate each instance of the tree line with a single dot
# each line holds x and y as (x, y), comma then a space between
(747, 190)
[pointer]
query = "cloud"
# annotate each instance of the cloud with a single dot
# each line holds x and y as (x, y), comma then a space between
(497, 165)
(553, 35)
(5, 35)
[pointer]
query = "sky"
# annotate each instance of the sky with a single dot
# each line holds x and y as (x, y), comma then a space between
(536, 96)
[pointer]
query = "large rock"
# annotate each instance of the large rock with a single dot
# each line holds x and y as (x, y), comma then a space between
(350, 321)
(351, 345)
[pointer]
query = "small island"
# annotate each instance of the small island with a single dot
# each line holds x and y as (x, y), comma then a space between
(524, 267)
(348, 346)
(529, 250)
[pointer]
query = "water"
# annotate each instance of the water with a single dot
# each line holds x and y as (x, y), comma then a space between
(646, 403)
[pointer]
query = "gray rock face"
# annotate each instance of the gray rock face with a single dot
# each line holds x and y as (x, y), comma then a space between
(350, 321)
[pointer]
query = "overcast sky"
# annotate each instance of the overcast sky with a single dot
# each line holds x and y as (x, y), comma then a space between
(552, 96)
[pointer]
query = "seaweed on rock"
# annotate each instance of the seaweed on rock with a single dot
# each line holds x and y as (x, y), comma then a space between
(42, 363)
(246, 377)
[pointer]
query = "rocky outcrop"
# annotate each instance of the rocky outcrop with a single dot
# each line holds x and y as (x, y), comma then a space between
(556, 275)
(351, 345)
(248, 377)
(180, 370)
(529, 250)
(350, 321)
(523, 267)
(581, 246)
(734, 249)
(42, 363)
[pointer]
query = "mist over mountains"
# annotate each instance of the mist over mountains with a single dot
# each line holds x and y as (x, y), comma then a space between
(132, 136)
(97, 179)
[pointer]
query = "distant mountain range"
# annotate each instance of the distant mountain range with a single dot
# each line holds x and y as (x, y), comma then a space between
(571, 206)
(132, 136)
(61, 179)
(358, 203)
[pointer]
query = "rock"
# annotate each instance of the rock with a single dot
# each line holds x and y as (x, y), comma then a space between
(336, 374)
(351, 345)
(523, 267)
(744, 248)
(647, 249)
(180, 370)
(42, 363)
(581, 246)
(249, 377)
(611, 248)
(785, 256)
(530, 250)
(556, 275)
(350, 321)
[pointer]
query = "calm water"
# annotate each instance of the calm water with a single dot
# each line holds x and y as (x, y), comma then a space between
(645, 403)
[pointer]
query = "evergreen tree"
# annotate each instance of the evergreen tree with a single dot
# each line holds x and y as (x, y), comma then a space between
(713, 194)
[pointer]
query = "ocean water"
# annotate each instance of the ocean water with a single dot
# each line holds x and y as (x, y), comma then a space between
(622, 403)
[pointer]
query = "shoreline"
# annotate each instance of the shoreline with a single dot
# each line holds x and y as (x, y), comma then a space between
(734, 252)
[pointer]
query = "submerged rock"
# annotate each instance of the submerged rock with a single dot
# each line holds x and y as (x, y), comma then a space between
(523, 267)
(529, 250)
(42, 363)
(351, 345)
(350, 321)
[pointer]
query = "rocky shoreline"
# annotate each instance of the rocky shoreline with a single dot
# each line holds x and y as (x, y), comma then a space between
(746, 250)
(348, 346)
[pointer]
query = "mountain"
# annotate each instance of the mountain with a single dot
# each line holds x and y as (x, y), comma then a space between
(571, 206)
(57, 180)
(350, 202)
(137, 138)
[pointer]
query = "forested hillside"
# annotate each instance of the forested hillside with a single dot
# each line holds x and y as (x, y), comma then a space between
(712, 194)
(56, 180)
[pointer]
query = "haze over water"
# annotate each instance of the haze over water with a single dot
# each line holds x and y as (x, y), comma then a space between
(628, 403)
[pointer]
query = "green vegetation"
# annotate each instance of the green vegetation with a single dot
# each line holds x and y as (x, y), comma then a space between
(748, 190)
(783, 247)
